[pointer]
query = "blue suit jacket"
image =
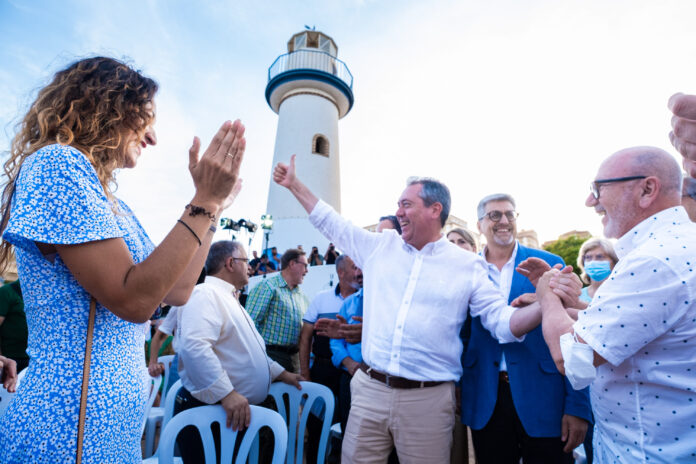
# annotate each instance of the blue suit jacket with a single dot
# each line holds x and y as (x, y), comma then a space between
(540, 393)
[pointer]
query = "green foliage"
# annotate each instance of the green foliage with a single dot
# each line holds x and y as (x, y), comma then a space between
(568, 249)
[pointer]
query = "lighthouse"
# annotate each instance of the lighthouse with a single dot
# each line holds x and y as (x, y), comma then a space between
(310, 89)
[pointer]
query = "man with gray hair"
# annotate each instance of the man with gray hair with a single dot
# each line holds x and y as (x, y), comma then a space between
(636, 342)
(418, 289)
(223, 356)
(516, 403)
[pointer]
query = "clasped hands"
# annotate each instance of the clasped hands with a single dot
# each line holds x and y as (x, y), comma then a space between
(559, 281)
(340, 328)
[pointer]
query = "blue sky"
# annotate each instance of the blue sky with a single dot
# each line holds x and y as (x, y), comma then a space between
(523, 97)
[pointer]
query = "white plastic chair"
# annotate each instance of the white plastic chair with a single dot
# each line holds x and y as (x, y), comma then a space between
(202, 418)
(154, 389)
(156, 414)
(167, 412)
(310, 393)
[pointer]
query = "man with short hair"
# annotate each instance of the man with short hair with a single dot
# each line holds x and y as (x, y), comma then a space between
(13, 325)
(223, 357)
(639, 329)
(325, 304)
(277, 305)
(517, 405)
(418, 288)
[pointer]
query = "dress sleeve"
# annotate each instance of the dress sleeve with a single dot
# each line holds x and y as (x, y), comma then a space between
(59, 200)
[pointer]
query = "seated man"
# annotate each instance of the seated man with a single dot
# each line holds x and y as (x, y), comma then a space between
(223, 357)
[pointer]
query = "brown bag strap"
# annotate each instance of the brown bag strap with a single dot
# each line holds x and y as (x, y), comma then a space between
(85, 379)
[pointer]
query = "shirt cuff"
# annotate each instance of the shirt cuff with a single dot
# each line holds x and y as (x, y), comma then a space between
(595, 344)
(276, 369)
(504, 334)
(216, 392)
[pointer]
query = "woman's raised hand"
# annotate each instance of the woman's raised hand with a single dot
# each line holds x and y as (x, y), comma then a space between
(284, 174)
(216, 172)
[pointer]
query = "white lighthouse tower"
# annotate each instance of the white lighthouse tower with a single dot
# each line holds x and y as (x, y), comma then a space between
(310, 89)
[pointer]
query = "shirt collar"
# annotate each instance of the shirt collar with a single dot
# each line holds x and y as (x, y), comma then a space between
(482, 253)
(430, 248)
(647, 227)
(222, 284)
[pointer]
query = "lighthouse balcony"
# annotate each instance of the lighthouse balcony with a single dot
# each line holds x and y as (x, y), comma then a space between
(310, 68)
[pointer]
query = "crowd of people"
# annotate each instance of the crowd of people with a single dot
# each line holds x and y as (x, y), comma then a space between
(421, 331)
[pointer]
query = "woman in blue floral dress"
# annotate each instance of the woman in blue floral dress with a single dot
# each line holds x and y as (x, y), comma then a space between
(74, 240)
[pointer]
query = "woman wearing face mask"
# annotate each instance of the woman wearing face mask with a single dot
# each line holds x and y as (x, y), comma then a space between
(596, 259)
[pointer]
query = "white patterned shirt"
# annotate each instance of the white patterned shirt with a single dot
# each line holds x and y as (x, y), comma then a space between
(642, 320)
(220, 348)
(415, 301)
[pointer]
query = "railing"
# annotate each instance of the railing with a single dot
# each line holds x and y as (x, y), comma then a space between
(311, 59)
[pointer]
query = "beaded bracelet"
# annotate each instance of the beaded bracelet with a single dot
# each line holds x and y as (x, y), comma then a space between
(196, 210)
(190, 230)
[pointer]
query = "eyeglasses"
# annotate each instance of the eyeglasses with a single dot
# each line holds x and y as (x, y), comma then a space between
(594, 186)
(306, 265)
(496, 215)
(244, 260)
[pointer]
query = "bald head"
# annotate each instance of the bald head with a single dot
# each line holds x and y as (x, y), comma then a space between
(634, 184)
(648, 161)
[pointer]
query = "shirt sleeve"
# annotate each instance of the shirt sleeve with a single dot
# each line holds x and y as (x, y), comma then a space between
(487, 302)
(312, 313)
(339, 352)
(59, 200)
(200, 329)
(168, 326)
(642, 300)
(355, 241)
(276, 369)
(257, 303)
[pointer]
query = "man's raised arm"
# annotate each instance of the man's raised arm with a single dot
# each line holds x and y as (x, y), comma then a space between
(284, 175)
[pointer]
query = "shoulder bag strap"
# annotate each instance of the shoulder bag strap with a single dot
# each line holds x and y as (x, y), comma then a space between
(85, 379)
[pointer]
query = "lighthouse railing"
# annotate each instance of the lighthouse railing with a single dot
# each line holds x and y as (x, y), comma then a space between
(316, 60)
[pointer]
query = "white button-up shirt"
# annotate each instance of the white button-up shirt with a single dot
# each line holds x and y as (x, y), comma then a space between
(415, 301)
(642, 320)
(220, 348)
(168, 325)
(502, 279)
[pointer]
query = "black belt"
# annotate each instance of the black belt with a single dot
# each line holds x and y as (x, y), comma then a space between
(290, 349)
(393, 381)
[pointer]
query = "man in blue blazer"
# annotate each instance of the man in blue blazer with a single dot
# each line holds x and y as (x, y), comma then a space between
(514, 399)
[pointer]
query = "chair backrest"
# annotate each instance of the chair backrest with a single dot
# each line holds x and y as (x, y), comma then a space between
(202, 418)
(310, 393)
(169, 401)
(154, 389)
(167, 362)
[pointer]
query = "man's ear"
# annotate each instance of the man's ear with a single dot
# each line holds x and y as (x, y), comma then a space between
(437, 209)
(650, 190)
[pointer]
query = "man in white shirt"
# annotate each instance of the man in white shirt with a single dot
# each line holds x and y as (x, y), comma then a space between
(223, 357)
(639, 331)
(418, 288)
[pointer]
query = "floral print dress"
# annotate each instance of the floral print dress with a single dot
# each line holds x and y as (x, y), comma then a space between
(59, 200)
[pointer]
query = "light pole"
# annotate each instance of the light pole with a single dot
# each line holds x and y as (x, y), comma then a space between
(267, 226)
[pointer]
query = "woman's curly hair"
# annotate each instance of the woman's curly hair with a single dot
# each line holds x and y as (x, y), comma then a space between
(91, 105)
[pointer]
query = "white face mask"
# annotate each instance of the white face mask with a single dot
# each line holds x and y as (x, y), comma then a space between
(578, 361)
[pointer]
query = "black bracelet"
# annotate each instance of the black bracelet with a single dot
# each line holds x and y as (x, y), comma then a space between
(191, 230)
(196, 210)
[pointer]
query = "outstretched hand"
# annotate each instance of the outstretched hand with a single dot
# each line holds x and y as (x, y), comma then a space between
(215, 173)
(284, 174)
